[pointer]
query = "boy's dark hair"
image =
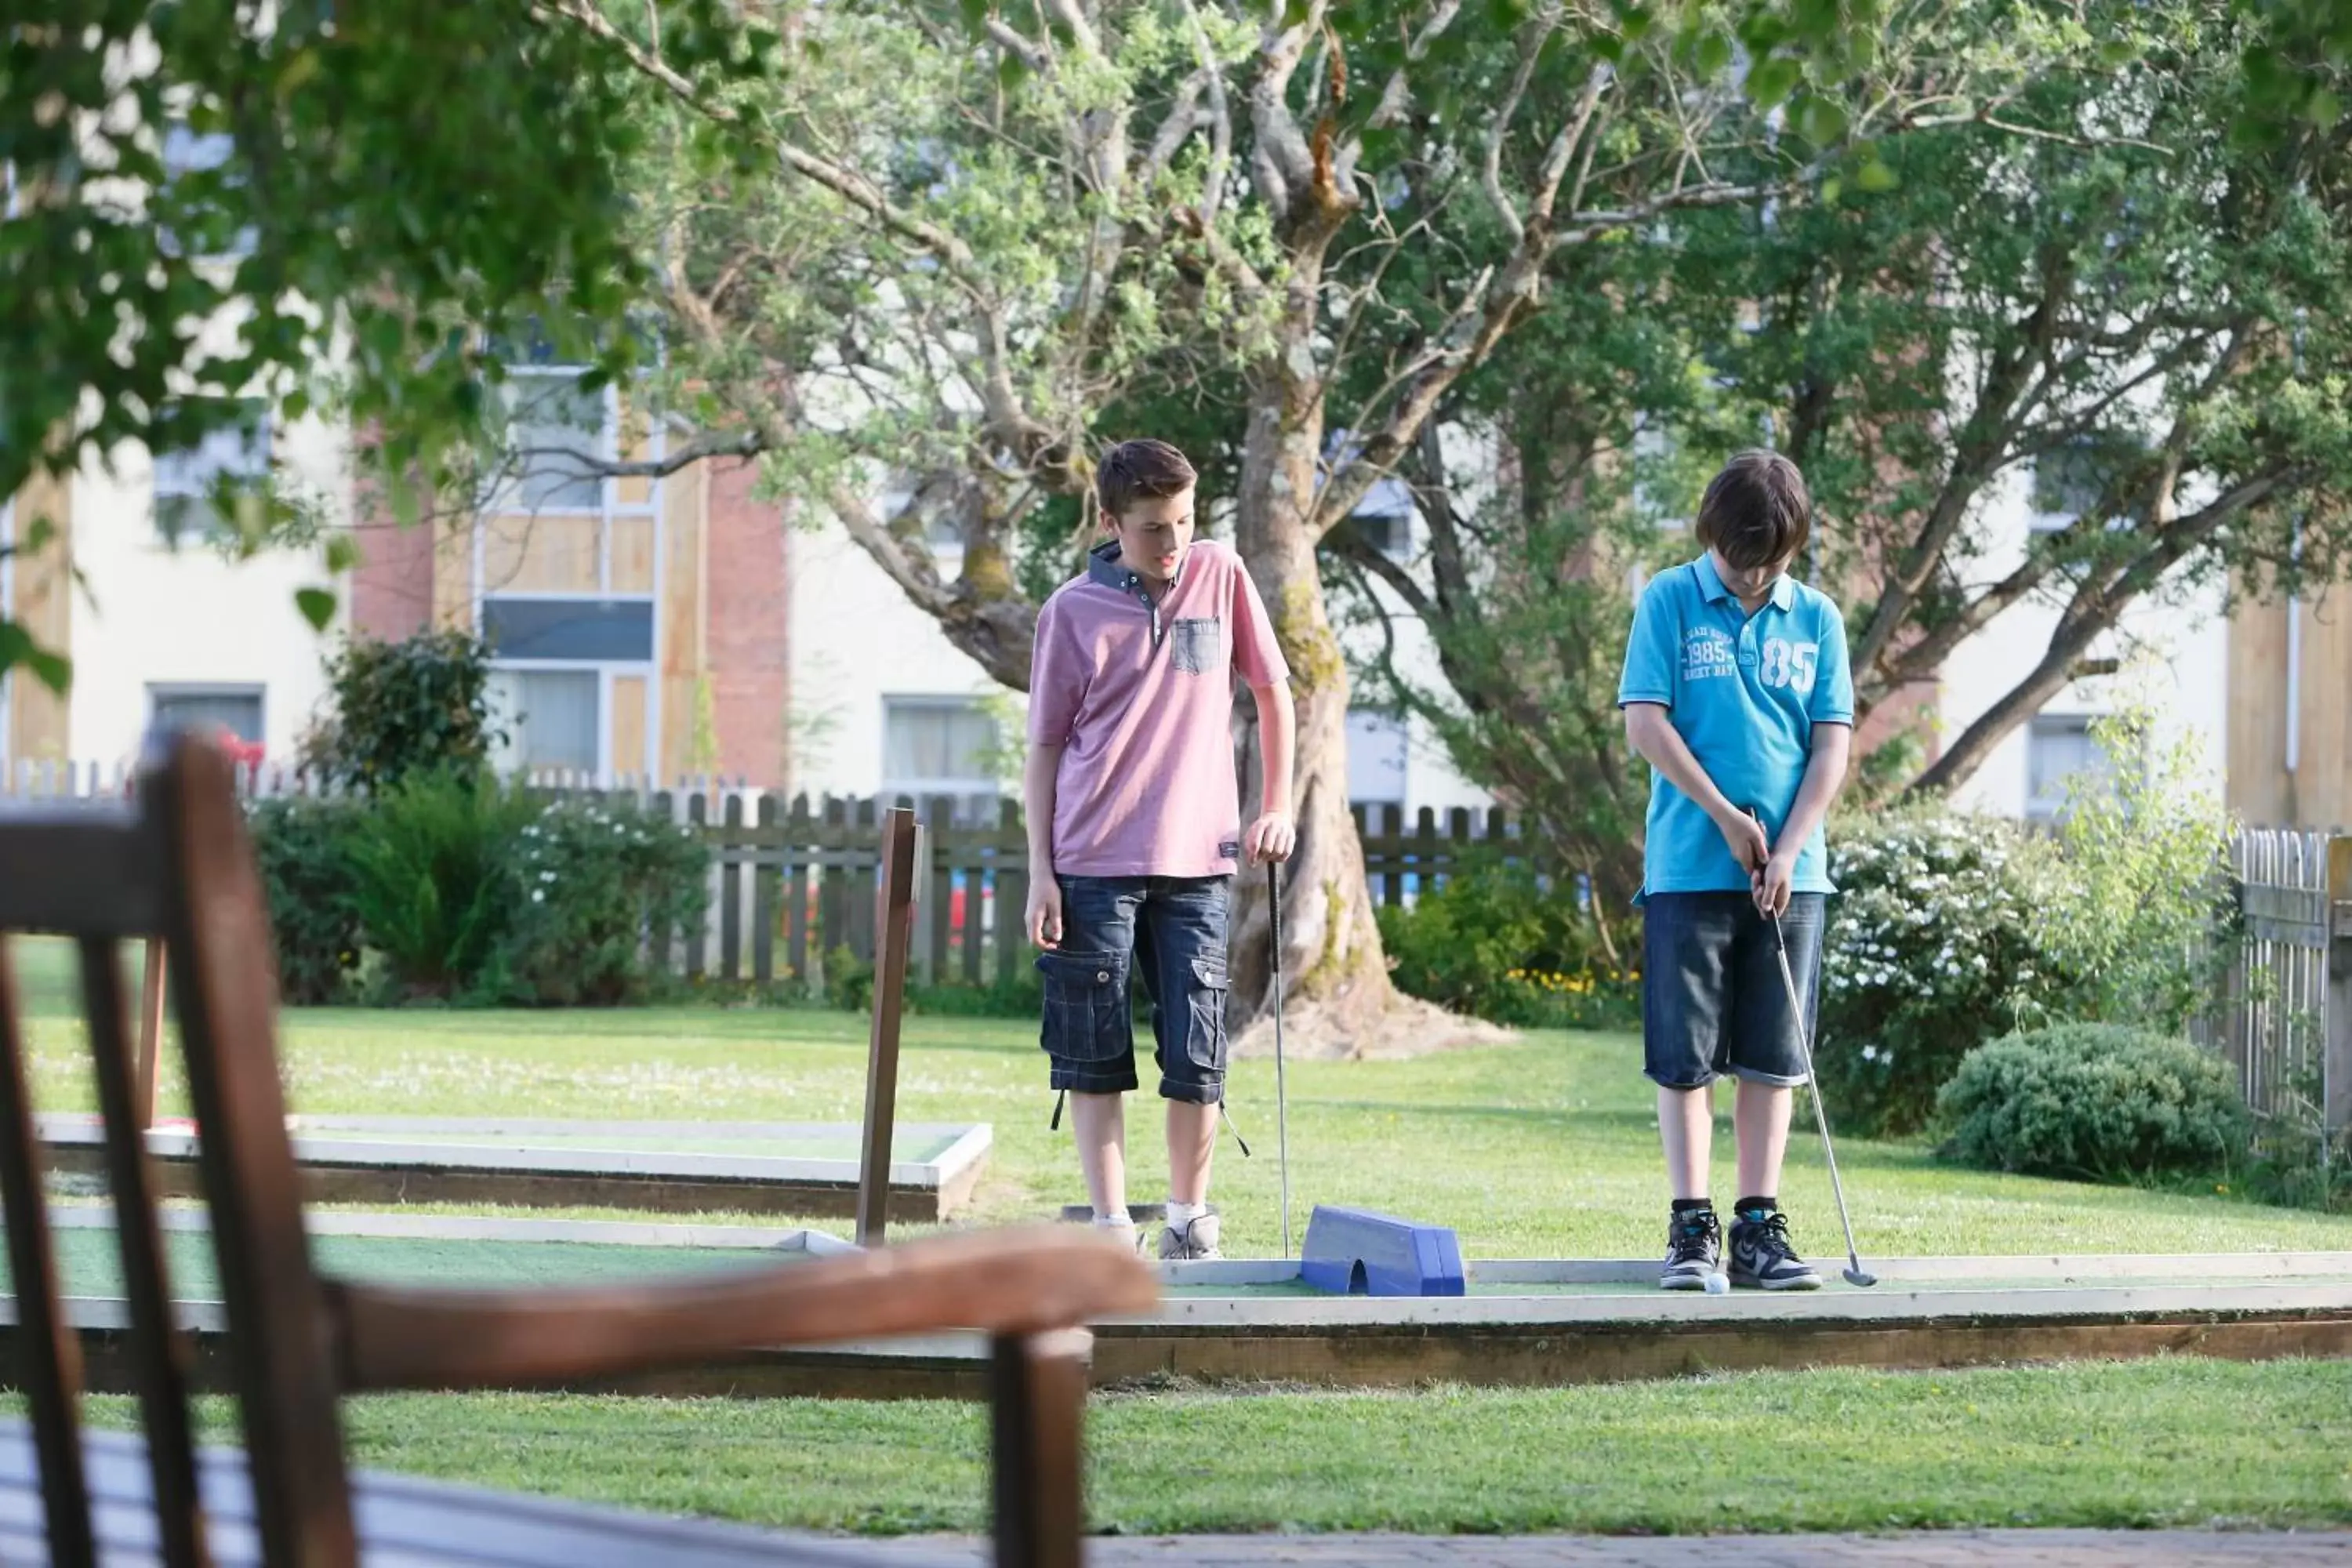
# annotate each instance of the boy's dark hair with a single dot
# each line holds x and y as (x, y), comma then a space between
(1757, 511)
(1139, 470)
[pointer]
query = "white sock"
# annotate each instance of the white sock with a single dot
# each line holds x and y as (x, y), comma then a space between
(1116, 1219)
(1181, 1215)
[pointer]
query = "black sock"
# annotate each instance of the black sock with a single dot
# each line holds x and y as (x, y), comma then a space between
(1757, 1206)
(1693, 1206)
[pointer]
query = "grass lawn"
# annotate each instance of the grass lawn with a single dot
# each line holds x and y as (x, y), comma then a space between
(1545, 1147)
(2176, 1442)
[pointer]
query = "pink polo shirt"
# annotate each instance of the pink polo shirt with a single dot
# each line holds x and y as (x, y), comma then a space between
(1139, 694)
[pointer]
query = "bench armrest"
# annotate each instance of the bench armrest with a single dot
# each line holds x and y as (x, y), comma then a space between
(1003, 1283)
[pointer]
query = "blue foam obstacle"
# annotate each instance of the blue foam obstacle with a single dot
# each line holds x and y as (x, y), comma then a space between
(1355, 1251)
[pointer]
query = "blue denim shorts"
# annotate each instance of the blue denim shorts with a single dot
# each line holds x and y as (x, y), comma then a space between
(1169, 930)
(1713, 1001)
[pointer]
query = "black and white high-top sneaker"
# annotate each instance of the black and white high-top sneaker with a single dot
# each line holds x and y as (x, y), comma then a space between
(1693, 1250)
(1763, 1257)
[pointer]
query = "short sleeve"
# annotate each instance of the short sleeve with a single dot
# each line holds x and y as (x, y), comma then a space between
(1257, 653)
(1832, 698)
(1056, 681)
(1650, 649)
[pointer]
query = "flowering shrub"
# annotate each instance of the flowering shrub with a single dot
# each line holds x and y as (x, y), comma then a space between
(1932, 946)
(457, 888)
(593, 882)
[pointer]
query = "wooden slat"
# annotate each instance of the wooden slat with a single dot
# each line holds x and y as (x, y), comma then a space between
(935, 950)
(1012, 899)
(978, 882)
(90, 871)
(861, 891)
(901, 843)
(51, 1372)
(1037, 1396)
(697, 813)
(796, 900)
(1013, 1282)
(219, 935)
(661, 938)
(731, 900)
(158, 1355)
(832, 889)
(763, 910)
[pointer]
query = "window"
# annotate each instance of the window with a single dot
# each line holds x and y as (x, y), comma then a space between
(941, 745)
(1376, 758)
(208, 710)
(2061, 756)
(188, 482)
(2073, 479)
(588, 630)
(552, 720)
(1384, 517)
(556, 430)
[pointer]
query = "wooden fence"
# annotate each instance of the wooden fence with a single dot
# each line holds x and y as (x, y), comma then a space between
(792, 883)
(2283, 1018)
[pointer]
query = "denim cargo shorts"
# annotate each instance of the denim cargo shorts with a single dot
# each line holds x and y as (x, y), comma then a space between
(1171, 930)
(1713, 1001)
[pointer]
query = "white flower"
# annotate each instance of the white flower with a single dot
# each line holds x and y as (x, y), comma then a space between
(538, 896)
(1870, 1052)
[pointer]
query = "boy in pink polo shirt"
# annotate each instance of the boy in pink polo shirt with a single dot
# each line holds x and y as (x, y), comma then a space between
(1135, 821)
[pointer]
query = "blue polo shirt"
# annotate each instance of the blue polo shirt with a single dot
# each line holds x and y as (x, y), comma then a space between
(1744, 692)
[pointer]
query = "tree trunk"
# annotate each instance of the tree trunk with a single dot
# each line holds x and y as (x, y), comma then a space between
(1330, 944)
(2052, 675)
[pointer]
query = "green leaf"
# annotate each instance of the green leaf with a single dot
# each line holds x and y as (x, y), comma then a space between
(318, 606)
(2322, 108)
(1820, 120)
(53, 670)
(37, 535)
(1713, 55)
(1771, 82)
(343, 553)
(1831, 188)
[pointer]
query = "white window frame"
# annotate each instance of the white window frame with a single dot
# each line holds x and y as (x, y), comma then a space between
(2049, 808)
(1403, 731)
(258, 691)
(962, 790)
(608, 766)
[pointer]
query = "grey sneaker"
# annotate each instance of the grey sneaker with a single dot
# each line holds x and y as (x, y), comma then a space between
(1763, 1257)
(1693, 1250)
(1193, 1241)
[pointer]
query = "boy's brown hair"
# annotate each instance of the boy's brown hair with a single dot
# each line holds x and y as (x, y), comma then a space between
(1139, 470)
(1757, 511)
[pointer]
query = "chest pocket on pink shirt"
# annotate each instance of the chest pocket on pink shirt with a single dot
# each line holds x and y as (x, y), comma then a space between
(1197, 645)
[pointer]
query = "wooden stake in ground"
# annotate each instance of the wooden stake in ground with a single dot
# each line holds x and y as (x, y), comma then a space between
(894, 928)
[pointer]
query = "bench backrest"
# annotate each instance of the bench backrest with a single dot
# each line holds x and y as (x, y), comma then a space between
(176, 865)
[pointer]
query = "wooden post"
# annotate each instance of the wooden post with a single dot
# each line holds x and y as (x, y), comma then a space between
(2335, 1058)
(151, 1032)
(893, 929)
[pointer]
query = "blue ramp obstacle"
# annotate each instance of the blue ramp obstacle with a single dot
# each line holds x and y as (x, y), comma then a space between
(1348, 1250)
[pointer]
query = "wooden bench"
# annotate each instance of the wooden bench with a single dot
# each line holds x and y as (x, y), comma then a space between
(179, 869)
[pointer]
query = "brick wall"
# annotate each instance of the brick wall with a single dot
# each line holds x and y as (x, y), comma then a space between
(748, 649)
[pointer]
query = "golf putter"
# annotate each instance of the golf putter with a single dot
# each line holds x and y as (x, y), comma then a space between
(1281, 1093)
(1855, 1274)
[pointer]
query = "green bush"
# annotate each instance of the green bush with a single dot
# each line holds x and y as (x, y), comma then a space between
(2140, 890)
(303, 845)
(1494, 941)
(433, 879)
(1933, 945)
(593, 882)
(2100, 1101)
(402, 709)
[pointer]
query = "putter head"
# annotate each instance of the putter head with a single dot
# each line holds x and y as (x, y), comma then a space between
(1860, 1276)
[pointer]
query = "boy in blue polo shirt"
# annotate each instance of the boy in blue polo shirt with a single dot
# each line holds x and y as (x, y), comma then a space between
(1737, 693)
